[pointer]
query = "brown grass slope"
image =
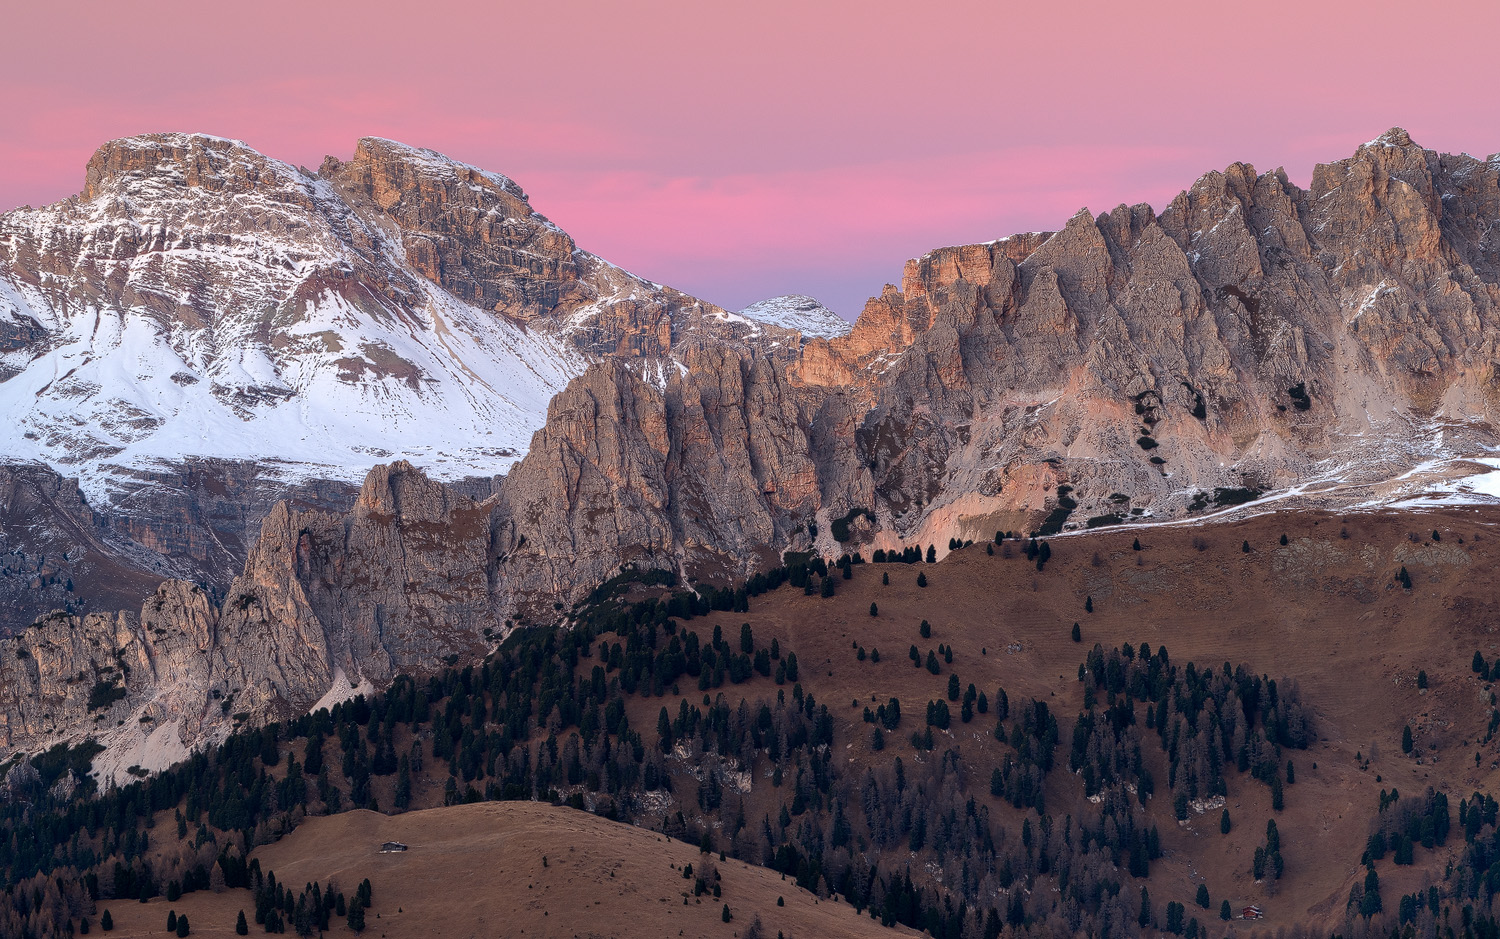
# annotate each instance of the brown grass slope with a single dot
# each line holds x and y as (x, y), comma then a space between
(513, 869)
(1325, 610)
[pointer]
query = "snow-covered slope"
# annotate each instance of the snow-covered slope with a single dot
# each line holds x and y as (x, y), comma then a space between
(804, 314)
(201, 300)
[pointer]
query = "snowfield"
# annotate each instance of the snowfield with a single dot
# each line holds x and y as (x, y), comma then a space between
(804, 314)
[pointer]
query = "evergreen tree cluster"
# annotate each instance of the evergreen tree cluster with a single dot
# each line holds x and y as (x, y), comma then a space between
(1205, 720)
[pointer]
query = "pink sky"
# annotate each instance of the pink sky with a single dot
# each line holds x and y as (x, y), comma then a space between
(744, 150)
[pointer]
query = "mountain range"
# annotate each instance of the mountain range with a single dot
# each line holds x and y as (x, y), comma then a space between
(206, 349)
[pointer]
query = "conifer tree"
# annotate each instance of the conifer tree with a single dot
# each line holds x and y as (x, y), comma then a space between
(874, 610)
(241, 928)
(106, 921)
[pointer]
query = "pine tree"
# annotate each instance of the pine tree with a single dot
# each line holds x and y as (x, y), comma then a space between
(1135, 545)
(1077, 633)
(1144, 919)
(1480, 666)
(953, 690)
(1283, 541)
(1406, 743)
(931, 556)
(1404, 578)
(885, 578)
(1224, 824)
(874, 610)
(171, 921)
(1088, 605)
(1225, 912)
(727, 916)
(1370, 904)
(1245, 547)
(925, 629)
(1422, 679)
(921, 580)
(183, 930)
(1175, 915)
(106, 922)
(241, 928)
(1202, 897)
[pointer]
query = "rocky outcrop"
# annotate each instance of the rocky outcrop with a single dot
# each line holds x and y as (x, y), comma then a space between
(712, 474)
(398, 584)
(57, 553)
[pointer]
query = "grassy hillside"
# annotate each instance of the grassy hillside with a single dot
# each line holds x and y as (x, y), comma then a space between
(516, 869)
(1012, 820)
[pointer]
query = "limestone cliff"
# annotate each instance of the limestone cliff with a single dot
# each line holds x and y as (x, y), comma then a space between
(397, 584)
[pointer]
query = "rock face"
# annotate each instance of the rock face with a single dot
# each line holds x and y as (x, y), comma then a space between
(713, 473)
(56, 553)
(1251, 336)
(397, 584)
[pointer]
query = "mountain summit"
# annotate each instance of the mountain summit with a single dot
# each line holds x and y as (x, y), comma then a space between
(199, 300)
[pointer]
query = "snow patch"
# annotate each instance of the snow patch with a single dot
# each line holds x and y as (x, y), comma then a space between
(804, 314)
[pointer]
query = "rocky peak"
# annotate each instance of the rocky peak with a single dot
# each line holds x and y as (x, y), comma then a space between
(201, 161)
(470, 231)
(802, 313)
(1395, 137)
(400, 490)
